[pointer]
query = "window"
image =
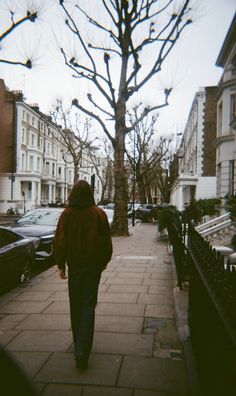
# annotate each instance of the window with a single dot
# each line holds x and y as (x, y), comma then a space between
(23, 135)
(231, 177)
(220, 110)
(38, 164)
(232, 107)
(31, 163)
(47, 168)
(23, 161)
(32, 140)
(53, 169)
(33, 120)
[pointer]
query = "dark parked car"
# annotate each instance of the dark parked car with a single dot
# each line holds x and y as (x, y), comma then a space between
(16, 257)
(145, 212)
(40, 223)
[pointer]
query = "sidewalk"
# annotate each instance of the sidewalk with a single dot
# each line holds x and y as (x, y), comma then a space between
(136, 350)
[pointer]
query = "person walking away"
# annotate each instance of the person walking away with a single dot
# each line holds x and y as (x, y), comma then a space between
(83, 242)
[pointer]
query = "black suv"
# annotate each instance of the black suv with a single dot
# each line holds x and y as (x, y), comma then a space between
(39, 223)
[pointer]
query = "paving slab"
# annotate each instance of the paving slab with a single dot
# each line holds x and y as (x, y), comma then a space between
(124, 343)
(117, 309)
(124, 281)
(161, 275)
(160, 289)
(159, 311)
(11, 295)
(118, 297)
(10, 321)
(60, 368)
(106, 391)
(158, 299)
(128, 288)
(158, 282)
(58, 307)
(41, 340)
(164, 375)
(119, 324)
(7, 336)
(154, 393)
(45, 322)
(25, 307)
(49, 286)
(62, 390)
(34, 296)
(133, 275)
(30, 362)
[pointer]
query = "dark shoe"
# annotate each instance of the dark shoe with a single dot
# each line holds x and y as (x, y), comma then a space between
(82, 362)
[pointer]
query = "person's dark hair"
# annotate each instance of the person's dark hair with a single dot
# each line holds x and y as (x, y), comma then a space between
(81, 195)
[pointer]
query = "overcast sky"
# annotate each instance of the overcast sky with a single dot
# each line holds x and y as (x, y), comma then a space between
(190, 66)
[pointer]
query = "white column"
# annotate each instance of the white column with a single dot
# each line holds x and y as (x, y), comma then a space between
(33, 193)
(39, 193)
(50, 193)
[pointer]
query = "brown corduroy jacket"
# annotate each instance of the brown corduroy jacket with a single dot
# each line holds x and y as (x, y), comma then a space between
(82, 239)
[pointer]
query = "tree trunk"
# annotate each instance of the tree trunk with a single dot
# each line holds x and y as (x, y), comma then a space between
(141, 187)
(120, 221)
(76, 171)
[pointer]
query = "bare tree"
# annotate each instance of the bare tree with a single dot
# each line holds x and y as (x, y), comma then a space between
(146, 154)
(74, 135)
(104, 169)
(133, 29)
(14, 24)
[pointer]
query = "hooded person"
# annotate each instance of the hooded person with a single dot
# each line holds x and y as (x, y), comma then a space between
(83, 243)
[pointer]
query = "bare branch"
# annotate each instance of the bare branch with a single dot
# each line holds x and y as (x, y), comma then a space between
(96, 117)
(148, 110)
(78, 35)
(29, 17)
(89, 96)
(27, 64)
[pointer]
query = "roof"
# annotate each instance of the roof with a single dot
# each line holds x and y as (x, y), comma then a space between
(229, 41)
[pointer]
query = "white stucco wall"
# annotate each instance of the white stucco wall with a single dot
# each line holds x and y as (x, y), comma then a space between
(206, 187)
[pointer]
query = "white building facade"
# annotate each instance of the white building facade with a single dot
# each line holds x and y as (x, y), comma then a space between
(43, 171)
(195, 180)
(226, 117)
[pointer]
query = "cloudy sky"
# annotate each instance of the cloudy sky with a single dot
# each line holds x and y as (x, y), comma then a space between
(190, 66)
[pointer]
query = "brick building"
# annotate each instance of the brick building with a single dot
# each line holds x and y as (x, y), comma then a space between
(196, 155)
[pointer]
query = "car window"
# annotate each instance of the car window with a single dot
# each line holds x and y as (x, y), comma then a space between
(7, 237)
(41, 217)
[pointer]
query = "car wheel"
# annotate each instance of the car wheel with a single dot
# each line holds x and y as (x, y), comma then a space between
(25, 272)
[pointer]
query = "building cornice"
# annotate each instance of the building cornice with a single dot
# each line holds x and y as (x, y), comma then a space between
(222, 139)
(227, 44)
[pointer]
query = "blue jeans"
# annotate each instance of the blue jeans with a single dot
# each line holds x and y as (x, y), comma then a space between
(83, 290)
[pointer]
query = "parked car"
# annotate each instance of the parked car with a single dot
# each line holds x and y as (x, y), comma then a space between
(145, 213)
(110, 215)
(17, 254)
(40, 223)
(132, 207)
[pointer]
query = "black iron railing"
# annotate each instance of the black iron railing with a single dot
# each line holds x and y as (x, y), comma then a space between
(212, 317)
(177, 233)
(212, 308)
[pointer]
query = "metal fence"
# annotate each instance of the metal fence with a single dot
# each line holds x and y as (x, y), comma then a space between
(212, 309)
